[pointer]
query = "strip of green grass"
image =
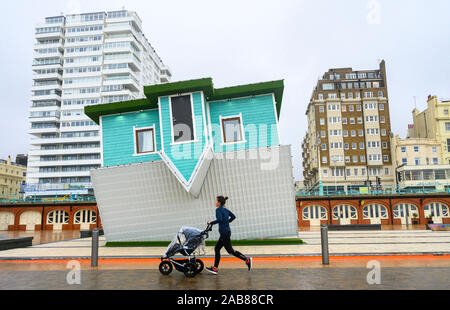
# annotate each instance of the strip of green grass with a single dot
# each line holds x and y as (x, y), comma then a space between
(288, 241)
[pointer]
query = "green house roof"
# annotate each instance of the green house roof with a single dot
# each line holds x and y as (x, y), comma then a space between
(205, 85)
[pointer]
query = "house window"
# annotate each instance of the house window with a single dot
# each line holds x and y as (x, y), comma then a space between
(447, 126)
(182, 119)
(321, 109)
(145, 140)
(232, 129)
(404, 161)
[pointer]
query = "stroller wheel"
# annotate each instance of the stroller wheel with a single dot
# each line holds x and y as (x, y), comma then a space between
(200, 265)
(190, 270)
(165, 267)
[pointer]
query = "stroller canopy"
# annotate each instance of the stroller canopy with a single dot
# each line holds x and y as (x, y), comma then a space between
(186, 241)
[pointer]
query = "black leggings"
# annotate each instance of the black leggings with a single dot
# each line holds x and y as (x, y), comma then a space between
(225, 241)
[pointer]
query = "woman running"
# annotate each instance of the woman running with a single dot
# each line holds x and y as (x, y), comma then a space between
(224, 218)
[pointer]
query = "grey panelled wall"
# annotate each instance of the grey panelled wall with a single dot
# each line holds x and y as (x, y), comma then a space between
(145, 202)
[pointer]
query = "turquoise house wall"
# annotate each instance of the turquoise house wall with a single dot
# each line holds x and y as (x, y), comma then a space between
(258, 118)
(118, 137)
(184, 156)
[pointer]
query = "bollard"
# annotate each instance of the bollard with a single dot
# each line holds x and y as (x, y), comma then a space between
(94, 255)
(324, 240)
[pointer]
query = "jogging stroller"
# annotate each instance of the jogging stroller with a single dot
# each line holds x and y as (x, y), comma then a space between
(188, 242)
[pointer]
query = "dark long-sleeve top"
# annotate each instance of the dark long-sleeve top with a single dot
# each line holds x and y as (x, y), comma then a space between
(224, 218)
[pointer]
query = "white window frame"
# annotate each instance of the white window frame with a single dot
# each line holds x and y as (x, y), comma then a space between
(135, 129)
(241, 125)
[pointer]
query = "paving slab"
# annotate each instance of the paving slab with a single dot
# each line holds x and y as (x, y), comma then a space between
(412, 242)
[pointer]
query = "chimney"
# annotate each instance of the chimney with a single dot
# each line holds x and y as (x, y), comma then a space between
(9, 160)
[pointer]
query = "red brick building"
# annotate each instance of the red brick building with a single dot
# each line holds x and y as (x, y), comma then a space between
(386, 210)
(52, 216)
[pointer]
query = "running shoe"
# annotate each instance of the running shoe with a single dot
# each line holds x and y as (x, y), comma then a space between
(249, 263)
(213, 270)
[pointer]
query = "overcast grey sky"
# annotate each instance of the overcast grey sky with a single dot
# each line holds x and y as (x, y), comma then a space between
(249, 41)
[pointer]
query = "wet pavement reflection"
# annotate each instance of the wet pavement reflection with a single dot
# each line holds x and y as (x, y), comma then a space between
(427, 272)
(40, 237)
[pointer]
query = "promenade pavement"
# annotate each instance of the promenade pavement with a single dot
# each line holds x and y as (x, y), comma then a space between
(341, 243)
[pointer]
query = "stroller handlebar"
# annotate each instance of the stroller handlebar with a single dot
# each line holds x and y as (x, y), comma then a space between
(208, 228)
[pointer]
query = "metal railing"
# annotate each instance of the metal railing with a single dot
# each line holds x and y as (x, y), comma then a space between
(324, 191)
(20, 198)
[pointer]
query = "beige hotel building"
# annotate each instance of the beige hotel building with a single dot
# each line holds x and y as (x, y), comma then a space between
(348, 137)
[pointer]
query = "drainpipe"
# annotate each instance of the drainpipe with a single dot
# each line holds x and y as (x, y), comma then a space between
(331, 211)
(42, 219)
(392, 211)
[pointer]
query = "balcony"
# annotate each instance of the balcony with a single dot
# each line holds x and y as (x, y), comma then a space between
(41, 141)
(50, 97)
(47, 76)
(61, 151)
(50, 35)
(57, 163)
(117, 28)
(55, 86)
(59, 174)
(43, 130)
(44, 119)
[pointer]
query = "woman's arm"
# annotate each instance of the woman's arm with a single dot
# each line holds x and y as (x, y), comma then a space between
(232, 217)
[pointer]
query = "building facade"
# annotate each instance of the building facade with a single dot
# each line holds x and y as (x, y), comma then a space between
(49, 216)
(347, 145)
(82, 60)
(434, 123)
(420, 209)
(12, 176)
(167, 157)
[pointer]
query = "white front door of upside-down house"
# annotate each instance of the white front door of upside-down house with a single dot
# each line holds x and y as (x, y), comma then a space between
(344, 214)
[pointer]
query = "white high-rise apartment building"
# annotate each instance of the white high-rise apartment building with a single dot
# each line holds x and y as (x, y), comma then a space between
(81, 60)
